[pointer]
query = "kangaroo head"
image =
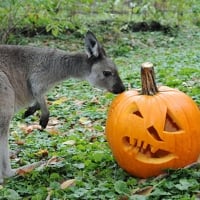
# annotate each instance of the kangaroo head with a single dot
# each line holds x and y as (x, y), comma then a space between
(103, 72)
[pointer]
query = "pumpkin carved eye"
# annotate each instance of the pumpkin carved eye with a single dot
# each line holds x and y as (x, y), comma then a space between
(138, 113)
(149, 132)
(170, 124)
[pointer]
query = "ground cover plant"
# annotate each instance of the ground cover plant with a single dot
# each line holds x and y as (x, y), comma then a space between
(78, 163)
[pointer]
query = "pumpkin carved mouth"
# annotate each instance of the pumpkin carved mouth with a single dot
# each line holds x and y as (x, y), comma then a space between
(146, 152)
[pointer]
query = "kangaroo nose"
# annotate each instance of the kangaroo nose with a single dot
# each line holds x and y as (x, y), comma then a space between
(117, 89)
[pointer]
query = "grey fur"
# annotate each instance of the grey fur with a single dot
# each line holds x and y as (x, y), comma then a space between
(26, 74)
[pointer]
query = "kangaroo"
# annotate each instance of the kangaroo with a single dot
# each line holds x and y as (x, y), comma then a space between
(27, 73)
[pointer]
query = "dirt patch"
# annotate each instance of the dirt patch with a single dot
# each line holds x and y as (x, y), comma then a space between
(151, 27)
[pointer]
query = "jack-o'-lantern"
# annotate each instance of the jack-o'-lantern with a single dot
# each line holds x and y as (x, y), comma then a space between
(153, 130)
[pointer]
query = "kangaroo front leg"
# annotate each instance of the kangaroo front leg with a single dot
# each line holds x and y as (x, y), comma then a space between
(44, 118)
(38, 89)
(31, 110)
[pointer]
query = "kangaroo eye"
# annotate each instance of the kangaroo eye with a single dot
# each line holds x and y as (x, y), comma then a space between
(107, 73)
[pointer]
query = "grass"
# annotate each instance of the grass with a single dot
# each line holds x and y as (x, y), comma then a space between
(75, 142)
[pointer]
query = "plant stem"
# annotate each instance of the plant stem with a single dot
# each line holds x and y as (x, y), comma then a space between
(149, 86)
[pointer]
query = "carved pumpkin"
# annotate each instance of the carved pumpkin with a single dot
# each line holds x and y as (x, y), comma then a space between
(154, 130)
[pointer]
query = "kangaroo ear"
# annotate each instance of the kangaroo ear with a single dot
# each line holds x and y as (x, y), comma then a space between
(92, 46)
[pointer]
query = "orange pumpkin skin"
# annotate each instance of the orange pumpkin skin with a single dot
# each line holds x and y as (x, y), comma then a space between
(148, 134)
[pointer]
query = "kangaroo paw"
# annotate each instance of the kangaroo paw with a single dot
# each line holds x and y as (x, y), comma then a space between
(21, 170)
(8, 173)
(44, 122)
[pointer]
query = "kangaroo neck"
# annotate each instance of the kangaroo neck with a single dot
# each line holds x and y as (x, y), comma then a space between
(76, 66)
(62, 66)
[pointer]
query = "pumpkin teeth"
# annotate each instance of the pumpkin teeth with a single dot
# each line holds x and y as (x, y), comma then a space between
(144, 148)
(139, 143)
(153, 149)
(150, 151)
(144, 145)
(134, 142)
(141, 147)
(136, 150)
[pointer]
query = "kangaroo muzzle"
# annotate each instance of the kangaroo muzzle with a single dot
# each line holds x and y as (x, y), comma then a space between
(118, 88)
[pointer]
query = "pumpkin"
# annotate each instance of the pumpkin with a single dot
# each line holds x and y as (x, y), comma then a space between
(154, 129)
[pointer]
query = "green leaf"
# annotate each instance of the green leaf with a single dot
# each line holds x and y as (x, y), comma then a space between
(79, 165)
(55, 185)
(98, 156)
(121, 187)
(185, 184)
(11, 195)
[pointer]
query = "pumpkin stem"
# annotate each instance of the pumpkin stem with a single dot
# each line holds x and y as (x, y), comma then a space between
(149, 86)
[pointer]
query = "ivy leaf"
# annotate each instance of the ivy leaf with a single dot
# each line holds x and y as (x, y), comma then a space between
(98, 156)
(11, 195)
(121, 187)
(185, 184)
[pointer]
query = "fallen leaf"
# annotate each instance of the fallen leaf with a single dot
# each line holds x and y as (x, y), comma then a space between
(13, 154)
(143, 191)
(28, 168)
(123, 198)
(60, 101)
(53, 121)
(29, 129)
(142, 181)
(52, 131)
(23, 127)
(69, 142)
(42, 153)
(79, 102)
(67, 184)
(84, 121)
(95, 100)
(19, 142)
(53, 161)
(95, 137)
